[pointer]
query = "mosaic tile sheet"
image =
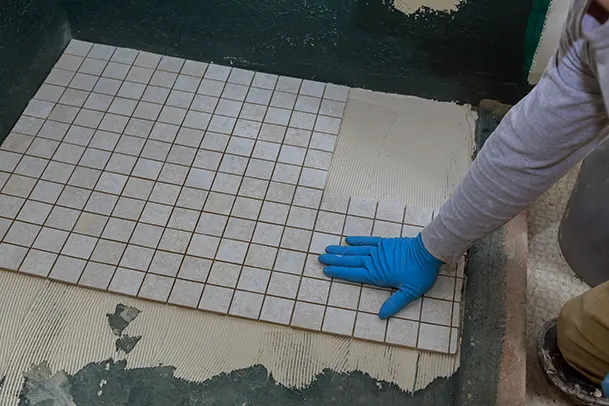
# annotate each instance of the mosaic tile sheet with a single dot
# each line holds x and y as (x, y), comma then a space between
(200, 185)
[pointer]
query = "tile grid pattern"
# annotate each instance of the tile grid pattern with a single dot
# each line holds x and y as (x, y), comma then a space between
(199, 185)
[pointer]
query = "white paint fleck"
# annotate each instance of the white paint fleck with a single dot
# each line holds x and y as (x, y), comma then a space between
(412, 6)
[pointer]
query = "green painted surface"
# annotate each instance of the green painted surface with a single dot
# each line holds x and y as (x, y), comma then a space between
(473, 53)
(537, 21)
(33, 33)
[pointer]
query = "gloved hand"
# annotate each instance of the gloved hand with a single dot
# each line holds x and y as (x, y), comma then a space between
(606, 386)
(402, 263)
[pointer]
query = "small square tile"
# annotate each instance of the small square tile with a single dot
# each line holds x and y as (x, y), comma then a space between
(226, 183)
(307, 104)
(332, 108)
(324, 142)
(261, 256)
(437, 311)
(226, 107)
(330, 125)
(277, 310)
(386, 229)
(147, 110)
(128, 208)
(96, 275)
(22, 234)
(264, 80)
(175, 240)
(187, 83)
(283, 100)
(252, 111)
(207, 159)
(90, 224)
(288, 84)
(20, 186)
(54, 130)
(307, 197)
(172, 115)
(390, 211)
(113, 122)
(402, 332)
(97, 101)
(36, 263)
(42, 148)
(301, 120)
(88, 118)
(80, 48)
(314, 290)
(456, 319)
(279, 116)
(11, 256)
(253, 279)
(165, 193)
(418, 216)
(172, 64)
(204, 103)
(246, 208)
(246, 304)
(412, 311)
(121, 163)
(411, 231)
(126, 281)
(146, 168)
(328, 222)
(232, 251)
(10, 206)
(224, 274)
(336, 92)
(343, 295)
(276, 213)
(166, 263)
(266, 150)
(156, 287)
(219, 203)
(193, 68)
(290, 262)
(139, 75)
(216, 299)
(147, 60)
(308, 315)
(57, 172)
(370, 327)
(260, 169)
(280, 192)
(155, 213)
(100, 203)
(272, 132)
(363, 207)
(372, 299)
(357, 226)
(211, 87)
(200, 178)
(234, 165)
(146, 235)
(268, 234)
(180, 99)
(186, 293)
(241, 76)
(259, 96)
(138, 188)
(118, 229)
(83, 82)
(215, 142)
(292, 155)
(195, 269)
(189, 137)
(302, 217)
(62, 218)
(203, 246)
(94, 158)
(283, 285)
(68, 153)
(50, 239)
(130, 145)
(153, 94)
(8, 161)
(59, 77)
(104, 140)
(318, 159)
(111, 183)
(31, 166)
(297, 137)
(321, 240)
(67, 269)
(183, 219)
(433, 338)
(79, 246)
(211, 224)
(109, 252)
(74, 97)
(459, 288)
(175, 174)
(101, 51)
(239, 229)
(116, 70)
(16, 142)
(286, 173)
(217, 72)
(137, 257)
(296, 239)
(339, 321)
(69, 62)
(444, 288)
(34, 212)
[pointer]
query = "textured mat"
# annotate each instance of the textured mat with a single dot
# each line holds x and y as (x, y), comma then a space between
(201, 186)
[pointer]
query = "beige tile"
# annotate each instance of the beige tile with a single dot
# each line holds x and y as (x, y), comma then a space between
(232, 251)
(212, 224)
(156, 287)
(301, 217)
(434, 338)
(331, 223)
(363, 207)
(410, 231)
(253, 279)
(126, 281)
(321, 240)
(36, 262)
(437, 311)
(136, 257)
(454, 341)
(261, 256)
(283, 285)
(418, 216)
(277, 310)
(372, 299)
(290, 261)
(308, 315)
(11, 256)
(402, 332)
(314, 268)
(314, 290)
(186, 293)
(307, 197)
(412, 311)
(296, 239)
(370, 327)
(246, 304)
(343, 295)
(67, 269)
(339, 321)
(175, 240)
(195, 269)
(224, 274)
(62, 218)
(386, 229)
(109, 252)
(90, 224)
(240, 229)
(216, 299)
(166, 263)
(268, 234)
(96, 275)
(444, 288)
(358, 226)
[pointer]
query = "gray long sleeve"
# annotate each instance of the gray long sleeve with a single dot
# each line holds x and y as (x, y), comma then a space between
(555, 126)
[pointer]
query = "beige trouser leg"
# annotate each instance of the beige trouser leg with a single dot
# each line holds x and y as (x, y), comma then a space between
(583, 333)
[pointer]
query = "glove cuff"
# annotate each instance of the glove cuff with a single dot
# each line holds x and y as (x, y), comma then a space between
(425, 254)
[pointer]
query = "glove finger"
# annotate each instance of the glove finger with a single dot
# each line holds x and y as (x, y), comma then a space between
(342, 260)
(394, 304)
(360, 240)
(358, 275)
(342, 250)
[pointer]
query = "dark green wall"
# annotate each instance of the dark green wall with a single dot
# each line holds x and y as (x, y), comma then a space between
(476, 52)
(33, 33)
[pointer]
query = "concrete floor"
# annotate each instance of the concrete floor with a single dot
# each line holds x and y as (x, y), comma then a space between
(550, 282)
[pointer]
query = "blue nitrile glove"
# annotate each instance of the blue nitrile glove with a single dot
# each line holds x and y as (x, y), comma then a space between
(402, 263)
(606, 386)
